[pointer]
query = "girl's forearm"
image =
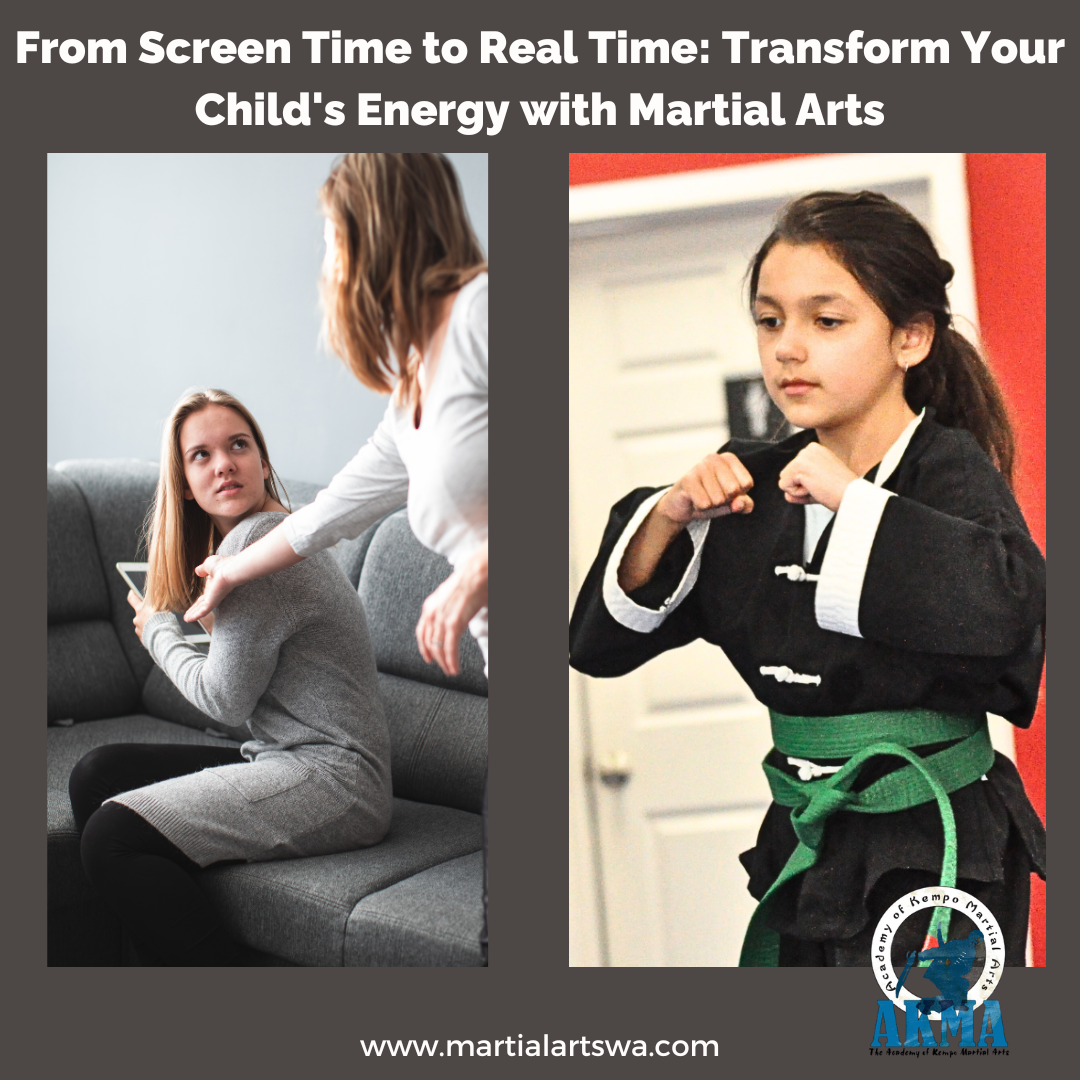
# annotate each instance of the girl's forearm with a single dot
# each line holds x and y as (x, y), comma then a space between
(646, 548)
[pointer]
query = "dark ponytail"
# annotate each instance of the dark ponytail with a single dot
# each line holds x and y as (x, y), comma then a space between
(892, 257)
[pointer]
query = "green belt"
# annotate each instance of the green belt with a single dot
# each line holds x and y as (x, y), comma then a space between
(863, 736)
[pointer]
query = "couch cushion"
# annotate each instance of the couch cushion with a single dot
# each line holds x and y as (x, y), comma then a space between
(398, 574)
(118, 495)
(88, 672)
(89, 676)
(438, 741)
(300, 908)
(432, 919)
(76, 580)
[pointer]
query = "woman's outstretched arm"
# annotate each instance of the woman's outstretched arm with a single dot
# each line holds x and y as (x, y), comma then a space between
(224, 572)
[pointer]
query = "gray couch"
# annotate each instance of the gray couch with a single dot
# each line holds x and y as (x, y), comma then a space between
(412, 900)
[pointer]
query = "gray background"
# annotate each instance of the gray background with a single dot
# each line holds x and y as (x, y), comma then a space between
(167, 271)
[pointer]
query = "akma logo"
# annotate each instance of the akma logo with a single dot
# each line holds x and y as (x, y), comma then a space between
(953, 967)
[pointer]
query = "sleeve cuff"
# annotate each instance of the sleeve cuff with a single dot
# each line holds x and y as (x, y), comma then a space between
(320, 525)
(160, 620)
(839, 588)
(621, 608)
(302, 545)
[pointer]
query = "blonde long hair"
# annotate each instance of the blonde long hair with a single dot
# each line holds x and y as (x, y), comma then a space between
(178, 533)
(404, 239)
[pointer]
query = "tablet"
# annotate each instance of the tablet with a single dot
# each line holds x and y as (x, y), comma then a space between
(134, 573)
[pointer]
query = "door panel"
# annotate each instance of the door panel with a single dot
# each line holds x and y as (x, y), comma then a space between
(652, 340)
(698, 854)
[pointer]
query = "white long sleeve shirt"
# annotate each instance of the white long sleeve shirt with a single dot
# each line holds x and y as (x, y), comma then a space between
(438, 469)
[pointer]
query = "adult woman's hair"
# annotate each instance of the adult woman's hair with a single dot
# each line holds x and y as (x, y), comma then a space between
(178, 533)
(891, 255)
(404, 239)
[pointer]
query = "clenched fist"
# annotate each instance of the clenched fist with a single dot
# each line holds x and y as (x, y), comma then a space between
(716, 485)
(816, 475)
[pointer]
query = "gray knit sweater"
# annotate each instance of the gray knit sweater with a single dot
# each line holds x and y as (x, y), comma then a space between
(290, 664)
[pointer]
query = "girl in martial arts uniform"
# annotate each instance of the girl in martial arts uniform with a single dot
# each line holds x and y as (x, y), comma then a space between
(873, 581)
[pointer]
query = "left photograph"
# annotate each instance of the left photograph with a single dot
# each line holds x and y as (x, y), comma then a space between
(267, 560)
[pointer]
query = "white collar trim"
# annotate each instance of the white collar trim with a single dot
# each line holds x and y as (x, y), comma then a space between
(896, 451)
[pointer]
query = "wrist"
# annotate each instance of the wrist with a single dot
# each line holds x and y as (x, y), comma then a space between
(231, 571)
(842, 491)
(479, 577)
(152, 621)
(661, 522)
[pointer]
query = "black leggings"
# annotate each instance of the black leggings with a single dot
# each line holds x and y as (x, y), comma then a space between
(145, 878)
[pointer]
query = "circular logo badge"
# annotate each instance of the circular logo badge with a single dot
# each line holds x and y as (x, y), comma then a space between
(981, 984)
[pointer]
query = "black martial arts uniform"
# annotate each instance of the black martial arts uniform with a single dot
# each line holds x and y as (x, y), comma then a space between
(948, 616)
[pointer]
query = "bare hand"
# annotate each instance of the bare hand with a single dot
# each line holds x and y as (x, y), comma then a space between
(143, 611)
(217, 587)
(447, 611)
(816, 475)
(716, 485)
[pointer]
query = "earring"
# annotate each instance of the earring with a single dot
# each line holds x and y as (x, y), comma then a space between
(905, 367)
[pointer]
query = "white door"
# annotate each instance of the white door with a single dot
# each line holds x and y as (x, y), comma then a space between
(657, 322)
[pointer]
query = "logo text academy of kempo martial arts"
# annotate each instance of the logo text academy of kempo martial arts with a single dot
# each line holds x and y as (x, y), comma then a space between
(964, 970)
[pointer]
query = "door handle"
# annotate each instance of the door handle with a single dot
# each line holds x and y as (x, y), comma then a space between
(614, 770)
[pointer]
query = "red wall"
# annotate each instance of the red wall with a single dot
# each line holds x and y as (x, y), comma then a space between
(1007, 194)
(1008, 239)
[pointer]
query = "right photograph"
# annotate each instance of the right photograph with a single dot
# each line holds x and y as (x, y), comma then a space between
(806, 565)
